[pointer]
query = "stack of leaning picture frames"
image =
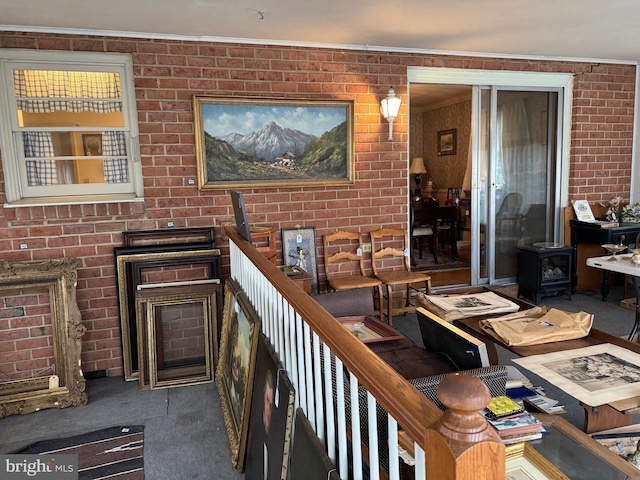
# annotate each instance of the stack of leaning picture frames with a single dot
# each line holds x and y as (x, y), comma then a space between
(163, 258)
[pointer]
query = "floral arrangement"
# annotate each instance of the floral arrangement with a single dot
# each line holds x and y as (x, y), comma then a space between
(631, 213)
(613, 209)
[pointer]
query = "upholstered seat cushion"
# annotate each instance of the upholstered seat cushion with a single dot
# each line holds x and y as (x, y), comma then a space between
(422, 231)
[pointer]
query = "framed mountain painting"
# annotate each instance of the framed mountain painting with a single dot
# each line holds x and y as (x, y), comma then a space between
(273, 143)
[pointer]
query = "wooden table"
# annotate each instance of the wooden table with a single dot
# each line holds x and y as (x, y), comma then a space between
(299, 277)
(597, 417)
(621, 265)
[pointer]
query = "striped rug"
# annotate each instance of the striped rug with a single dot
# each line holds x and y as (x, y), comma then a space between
(114, 453)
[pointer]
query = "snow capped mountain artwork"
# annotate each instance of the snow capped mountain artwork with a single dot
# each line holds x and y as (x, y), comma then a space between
(272, 143)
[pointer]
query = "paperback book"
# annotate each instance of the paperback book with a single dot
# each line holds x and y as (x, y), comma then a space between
(519, 425)
(503, 407)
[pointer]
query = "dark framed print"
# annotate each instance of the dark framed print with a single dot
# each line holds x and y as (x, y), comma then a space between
(92, 144)
(271, 418)
(244, 143)
(236, 366)
(299, 250)
(447, 142)
(240, 214)
(309, 461)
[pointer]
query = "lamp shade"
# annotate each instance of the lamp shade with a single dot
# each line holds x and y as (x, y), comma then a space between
(389, 107)
(417, 166)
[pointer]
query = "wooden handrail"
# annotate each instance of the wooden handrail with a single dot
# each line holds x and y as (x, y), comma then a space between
(412, 410)
(458, 445)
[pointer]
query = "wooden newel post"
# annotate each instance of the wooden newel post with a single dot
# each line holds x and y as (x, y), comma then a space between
(461, 445)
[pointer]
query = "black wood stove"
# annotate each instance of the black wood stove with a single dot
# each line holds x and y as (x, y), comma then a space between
(545, 268)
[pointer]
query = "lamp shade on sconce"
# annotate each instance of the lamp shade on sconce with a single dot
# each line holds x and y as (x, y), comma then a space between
(390, 107)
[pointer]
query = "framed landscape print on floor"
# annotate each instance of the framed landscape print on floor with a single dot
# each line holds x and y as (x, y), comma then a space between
(236, 365)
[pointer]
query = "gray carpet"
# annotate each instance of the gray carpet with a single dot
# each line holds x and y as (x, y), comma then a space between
(185, 436)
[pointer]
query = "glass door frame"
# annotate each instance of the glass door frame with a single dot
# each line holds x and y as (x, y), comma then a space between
(522, 80)
(554, 129)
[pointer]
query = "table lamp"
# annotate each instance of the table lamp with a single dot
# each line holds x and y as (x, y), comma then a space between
(417, 169)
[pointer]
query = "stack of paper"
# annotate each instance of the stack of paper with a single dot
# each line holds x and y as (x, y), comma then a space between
(453, 307)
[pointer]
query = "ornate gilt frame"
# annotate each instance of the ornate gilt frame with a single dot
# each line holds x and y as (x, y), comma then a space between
(59, 278)
(328, 160)
(235, 396)
(150, 373)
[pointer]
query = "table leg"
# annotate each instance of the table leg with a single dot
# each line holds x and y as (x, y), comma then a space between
(636, 322)
(603, 417)
(604, 288)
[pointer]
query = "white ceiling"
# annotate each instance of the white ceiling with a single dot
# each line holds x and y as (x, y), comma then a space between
(567, 29)
(593, 29)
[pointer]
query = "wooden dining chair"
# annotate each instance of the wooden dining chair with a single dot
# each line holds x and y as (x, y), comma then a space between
(390, 264)
(344, 265)
(424, 225)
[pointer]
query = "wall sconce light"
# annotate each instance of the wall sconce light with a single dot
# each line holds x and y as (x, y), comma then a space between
(389, 107)
(417, 169)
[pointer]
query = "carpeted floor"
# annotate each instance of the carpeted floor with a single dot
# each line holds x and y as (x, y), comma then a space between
(114, 453)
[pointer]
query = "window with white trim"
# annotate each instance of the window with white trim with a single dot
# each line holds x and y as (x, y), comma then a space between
(68, 125)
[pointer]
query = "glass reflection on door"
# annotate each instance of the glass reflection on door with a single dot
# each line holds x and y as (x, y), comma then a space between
(517, 176)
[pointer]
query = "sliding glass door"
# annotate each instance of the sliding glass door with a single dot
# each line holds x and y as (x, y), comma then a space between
(518, 176)
(517, 168)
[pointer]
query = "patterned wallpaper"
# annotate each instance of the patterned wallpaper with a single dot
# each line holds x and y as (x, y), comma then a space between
(444, 170)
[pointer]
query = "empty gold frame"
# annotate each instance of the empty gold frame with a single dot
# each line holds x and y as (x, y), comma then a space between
(61, 331)
(176, 331)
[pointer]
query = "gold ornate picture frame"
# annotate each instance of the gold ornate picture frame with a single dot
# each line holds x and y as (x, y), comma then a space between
(315, 145)
(236, 367)
(177, 327)
(525, 463)
(65, 386)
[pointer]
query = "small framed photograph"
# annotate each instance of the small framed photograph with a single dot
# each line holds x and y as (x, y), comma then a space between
(299, 250)
(447, 142)
(370, 330)
(92, 144)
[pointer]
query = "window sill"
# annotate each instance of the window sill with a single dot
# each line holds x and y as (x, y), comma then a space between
(73, 200)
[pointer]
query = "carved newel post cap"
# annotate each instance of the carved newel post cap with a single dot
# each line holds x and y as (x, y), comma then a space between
(460, 391)
(464, 395)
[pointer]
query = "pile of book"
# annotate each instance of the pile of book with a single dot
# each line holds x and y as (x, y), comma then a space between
(511, 421)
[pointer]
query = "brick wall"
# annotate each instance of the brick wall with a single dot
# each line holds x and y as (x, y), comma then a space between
(169, 73)
(26, 345)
